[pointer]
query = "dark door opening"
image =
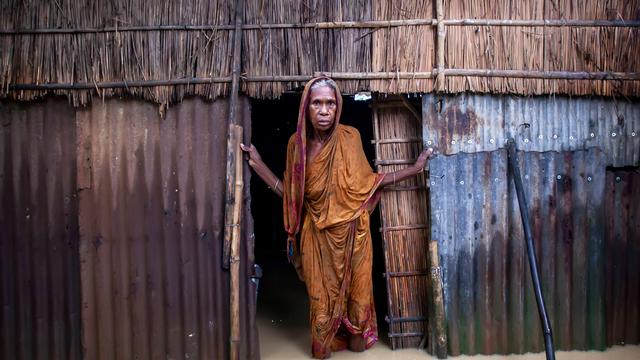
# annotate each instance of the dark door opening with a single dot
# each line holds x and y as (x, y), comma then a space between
(282, 299)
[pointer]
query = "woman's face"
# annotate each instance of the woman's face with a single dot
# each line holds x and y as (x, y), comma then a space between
(322, 108)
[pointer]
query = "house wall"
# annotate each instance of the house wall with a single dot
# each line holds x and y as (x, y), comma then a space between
(582, 216)
(121, 255)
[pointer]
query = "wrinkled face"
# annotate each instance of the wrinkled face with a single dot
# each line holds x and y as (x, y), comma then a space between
(322, 108)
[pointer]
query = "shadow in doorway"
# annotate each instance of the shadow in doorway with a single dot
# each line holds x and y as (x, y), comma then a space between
(282, 299)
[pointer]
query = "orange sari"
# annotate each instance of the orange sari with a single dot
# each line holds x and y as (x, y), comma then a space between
(334, 256)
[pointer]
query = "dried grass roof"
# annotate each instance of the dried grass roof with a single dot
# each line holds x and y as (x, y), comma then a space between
(96, 57)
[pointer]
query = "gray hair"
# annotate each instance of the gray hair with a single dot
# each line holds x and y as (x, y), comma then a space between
(325, 82)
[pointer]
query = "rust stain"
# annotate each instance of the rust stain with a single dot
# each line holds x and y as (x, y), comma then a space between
(460, 125)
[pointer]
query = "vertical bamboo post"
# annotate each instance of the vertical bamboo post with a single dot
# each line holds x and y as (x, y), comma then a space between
(234, 293)
(233, 198)
(440, 45)
(439, 330)
(233, 120)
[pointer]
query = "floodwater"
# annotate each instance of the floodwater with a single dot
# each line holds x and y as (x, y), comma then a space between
(284, 330)
(281, 340)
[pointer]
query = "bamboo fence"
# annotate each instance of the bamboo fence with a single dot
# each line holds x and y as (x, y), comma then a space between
(404, 220)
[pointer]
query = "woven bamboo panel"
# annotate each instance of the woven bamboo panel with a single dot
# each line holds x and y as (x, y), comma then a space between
(403, 209)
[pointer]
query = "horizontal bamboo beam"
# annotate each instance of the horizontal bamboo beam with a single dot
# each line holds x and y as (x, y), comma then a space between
(396, 141)
(535, 74)
(119, 84)
(402, 227)
(332, 25)
(395, 162)
(530, 74)
(404, 319)
(538, 23)
(404, 188)
(375, 75)
(406, 273)
(409, 334)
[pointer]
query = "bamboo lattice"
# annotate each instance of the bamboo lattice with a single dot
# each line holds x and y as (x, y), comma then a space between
(403, 209)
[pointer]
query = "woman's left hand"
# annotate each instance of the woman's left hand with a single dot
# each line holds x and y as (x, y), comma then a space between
(422, 159)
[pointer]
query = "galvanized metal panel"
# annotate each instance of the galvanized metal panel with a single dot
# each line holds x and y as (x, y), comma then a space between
(474, 122)
(39, 269)
(151, 228)
(489, 302)
(623, 256)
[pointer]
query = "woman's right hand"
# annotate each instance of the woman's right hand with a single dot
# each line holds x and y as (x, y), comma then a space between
(254, 156)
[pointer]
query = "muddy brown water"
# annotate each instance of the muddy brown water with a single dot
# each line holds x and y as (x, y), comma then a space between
(280, 340)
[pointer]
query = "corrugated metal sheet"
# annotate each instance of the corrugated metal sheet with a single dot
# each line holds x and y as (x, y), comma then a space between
(151, 226)
(39, 269)
(473, 122)
(489, 302)
(623, 256)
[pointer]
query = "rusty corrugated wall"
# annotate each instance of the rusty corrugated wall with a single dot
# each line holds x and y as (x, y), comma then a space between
(111, 230)
(622, 194)
(475, 122)
(151, 228)
(489, 302)
(39, 279)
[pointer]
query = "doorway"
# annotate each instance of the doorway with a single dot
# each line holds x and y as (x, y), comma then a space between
(282, 305)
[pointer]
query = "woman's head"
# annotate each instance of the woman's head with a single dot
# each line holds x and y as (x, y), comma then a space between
(323, 104)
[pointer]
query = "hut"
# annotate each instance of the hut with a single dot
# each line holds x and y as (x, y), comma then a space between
(127, 226)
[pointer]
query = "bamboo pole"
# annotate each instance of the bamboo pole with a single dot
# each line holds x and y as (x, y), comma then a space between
(439, 333)
(375, 75)
(231, 249)
(440, 46)
(534, 74)
(334, 25)
(234, 293)
(231, 150)
(529, 74)
(541, 23)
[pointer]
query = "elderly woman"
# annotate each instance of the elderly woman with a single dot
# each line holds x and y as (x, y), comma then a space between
(329, 189)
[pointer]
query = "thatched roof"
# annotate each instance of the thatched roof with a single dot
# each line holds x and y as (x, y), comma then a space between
(114, 42)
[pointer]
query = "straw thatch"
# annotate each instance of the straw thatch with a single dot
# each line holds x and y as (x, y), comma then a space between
(303, 50)
(116, 56)
(544, 48)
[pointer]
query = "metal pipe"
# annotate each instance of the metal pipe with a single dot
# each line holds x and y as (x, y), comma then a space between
(531, 252)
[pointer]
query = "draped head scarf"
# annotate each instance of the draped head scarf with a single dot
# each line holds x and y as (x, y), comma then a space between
(296, 163)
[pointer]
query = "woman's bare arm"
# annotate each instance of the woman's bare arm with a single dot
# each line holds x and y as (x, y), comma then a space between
(413, 170)
(256, 163)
